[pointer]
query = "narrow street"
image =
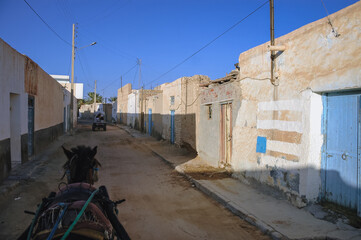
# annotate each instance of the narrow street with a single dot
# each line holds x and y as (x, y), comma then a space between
(160, 203)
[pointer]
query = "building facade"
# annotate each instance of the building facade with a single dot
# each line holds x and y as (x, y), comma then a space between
(300, 131)
(32, 109)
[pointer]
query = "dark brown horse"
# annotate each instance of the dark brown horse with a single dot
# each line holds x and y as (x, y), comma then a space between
(77, 210)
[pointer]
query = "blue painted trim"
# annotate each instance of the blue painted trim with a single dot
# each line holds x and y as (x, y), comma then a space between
(172, 126)
(359, 158)
(324, 147)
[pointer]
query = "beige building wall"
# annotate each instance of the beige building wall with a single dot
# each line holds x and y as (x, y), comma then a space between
(122, 101)
(182, 97)
(289, 112)
(49, 96)
(20, 78)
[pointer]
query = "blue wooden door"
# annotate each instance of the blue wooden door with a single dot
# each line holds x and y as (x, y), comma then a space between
(172, 127)
(341, 161)
(150, 121)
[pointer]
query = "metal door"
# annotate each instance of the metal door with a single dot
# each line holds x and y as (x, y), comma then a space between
(150, 121)
(172, 126)
(226, 133)
(31, 114)
(341, 160)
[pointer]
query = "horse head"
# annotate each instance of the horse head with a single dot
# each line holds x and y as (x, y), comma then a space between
(81, 165)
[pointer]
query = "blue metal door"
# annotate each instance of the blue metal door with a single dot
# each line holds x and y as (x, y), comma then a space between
(150, 121)
(172, 126)
(341, 161)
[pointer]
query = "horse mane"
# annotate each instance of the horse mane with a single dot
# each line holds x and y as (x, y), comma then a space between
(80, 160)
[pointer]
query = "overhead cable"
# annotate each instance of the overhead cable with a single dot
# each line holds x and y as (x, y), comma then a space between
(121, 75)
(335, 33)
(51, 29)
(209, 43)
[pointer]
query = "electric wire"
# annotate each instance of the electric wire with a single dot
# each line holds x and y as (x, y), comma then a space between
(51, 29)
(209, 43)
(121, 75)
(335, 33)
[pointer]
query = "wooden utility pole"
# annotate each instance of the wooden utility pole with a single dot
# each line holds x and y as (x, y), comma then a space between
(72, 82)
(272, 30)
(95, 96)
(140, 71)
(121, 83)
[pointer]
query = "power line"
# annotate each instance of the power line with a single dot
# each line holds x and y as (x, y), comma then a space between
(209, 43)
(51, 29)
(335, 33)
(121, 75)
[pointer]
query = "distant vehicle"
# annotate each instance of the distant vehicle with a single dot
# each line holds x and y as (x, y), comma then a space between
(99, 121)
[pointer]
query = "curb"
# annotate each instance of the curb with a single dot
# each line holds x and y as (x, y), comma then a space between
(263, 227)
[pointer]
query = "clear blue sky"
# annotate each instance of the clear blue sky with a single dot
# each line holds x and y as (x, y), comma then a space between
(162, 33)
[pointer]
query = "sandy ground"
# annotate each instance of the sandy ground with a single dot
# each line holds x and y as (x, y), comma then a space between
(160, 203)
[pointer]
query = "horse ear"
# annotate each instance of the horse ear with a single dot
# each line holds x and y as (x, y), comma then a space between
(97, 163)
(94, 151)
(68, 153)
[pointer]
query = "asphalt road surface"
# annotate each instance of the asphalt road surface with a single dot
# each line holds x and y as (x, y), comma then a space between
(160, 203)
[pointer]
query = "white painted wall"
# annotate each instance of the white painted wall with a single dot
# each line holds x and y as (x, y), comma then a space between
(133, 107)
(12, 81)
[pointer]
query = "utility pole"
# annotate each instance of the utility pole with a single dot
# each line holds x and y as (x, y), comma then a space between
(141, 111)
(140, 71)
(72, 82)
(95, 96)
(141, 96)
(121, 83)
(272, 28)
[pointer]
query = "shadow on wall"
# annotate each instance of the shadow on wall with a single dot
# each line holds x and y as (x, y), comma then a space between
(339, 196)
(179, 129)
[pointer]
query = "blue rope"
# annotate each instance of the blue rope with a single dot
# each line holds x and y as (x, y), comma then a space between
(33, 222)
(61, 215)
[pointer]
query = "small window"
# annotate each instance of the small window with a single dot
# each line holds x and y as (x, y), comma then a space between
(171, 100)
(209, 108)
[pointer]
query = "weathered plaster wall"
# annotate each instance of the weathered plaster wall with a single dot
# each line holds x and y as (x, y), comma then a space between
(190, 109)
(122, 101)
(19, 78)
(133, 109)
(209, 128)
(169, 90)
(48, 95)
(289, 116)
(155, 102)
(11, 84)
(12, 81)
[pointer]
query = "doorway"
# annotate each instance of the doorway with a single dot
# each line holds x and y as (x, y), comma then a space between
(150, 121)
(31, 115)
(226, 134)
(15, 133)
(341, 159)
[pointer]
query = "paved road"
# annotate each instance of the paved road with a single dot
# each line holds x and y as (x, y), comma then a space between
(160, 203)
